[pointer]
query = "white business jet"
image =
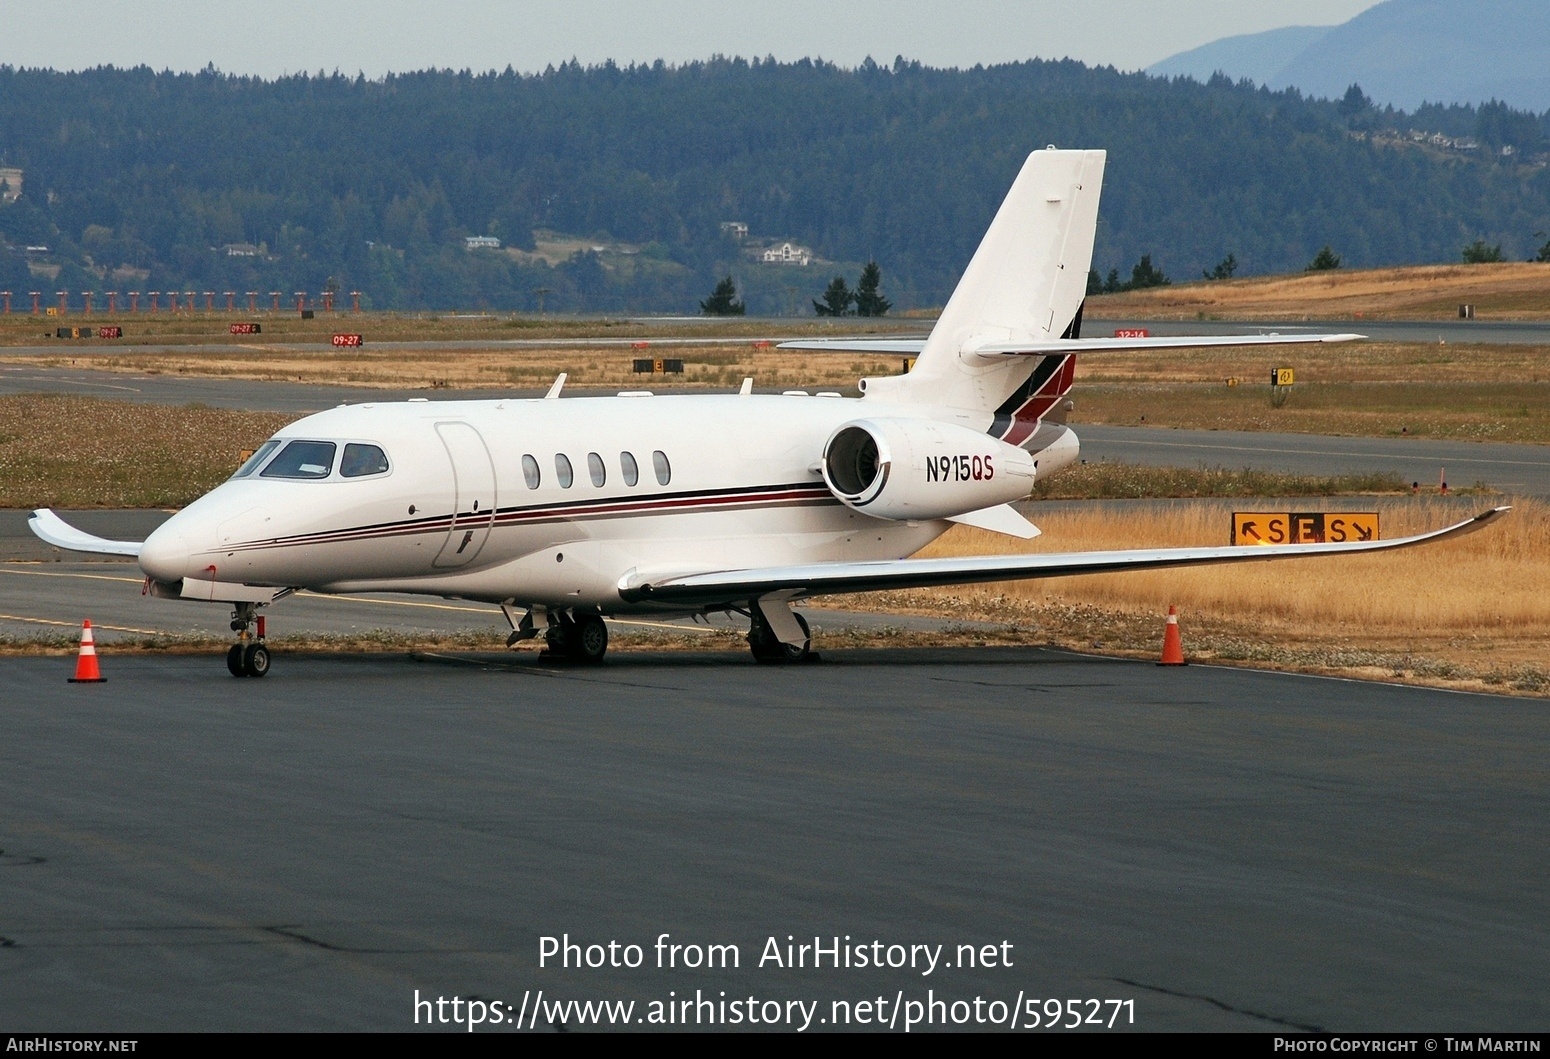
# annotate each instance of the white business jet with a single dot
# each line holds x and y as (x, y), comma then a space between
(567, 511)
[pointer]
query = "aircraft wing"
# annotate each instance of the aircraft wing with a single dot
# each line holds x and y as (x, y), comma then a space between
(795, 582)
(1056, 346)
(56, 531)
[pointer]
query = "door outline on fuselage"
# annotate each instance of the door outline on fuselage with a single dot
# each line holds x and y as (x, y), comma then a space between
(473, 488)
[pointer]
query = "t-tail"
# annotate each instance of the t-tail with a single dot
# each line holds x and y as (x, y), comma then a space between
(1002, 356)
(1023, 287)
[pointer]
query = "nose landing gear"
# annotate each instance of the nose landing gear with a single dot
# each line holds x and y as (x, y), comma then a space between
(247, 657)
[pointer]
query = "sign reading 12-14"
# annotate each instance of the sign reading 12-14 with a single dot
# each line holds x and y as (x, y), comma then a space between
(1303, 527)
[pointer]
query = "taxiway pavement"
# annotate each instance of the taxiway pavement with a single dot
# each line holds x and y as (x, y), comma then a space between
(1230, 849)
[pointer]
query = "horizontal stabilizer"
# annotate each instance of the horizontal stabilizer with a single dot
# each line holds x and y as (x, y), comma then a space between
(1003, 518)
(832, 578)
(56, 531)
(906, 346)
(1116, 345)
(1057, 346)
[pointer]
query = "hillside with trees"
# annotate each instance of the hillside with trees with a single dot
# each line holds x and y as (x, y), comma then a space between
(139, 180)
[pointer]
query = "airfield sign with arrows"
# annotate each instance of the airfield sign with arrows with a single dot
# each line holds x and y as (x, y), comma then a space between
(1260, 528)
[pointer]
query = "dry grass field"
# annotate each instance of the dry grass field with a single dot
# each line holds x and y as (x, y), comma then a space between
(80, 452)
(720, 367)
(288, 328)
(64, 451)
(1471, 612)
(1476, 393)
(1505, 291)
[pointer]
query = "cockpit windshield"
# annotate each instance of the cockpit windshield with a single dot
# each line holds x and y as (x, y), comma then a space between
(255, 461)
(360, 460)
(302, 459)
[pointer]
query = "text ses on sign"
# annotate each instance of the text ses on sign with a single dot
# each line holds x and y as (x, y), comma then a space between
(1303, 527)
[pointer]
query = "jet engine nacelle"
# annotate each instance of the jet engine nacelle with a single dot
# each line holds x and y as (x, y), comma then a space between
(911, 469)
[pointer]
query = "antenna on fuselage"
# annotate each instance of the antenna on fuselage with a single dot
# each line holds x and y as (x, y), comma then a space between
(554, 390)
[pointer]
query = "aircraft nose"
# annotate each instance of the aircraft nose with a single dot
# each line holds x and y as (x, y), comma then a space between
(166, 555)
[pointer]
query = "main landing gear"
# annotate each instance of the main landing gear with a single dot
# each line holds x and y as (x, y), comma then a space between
(248, 657)
(766, 646)
(575, 637)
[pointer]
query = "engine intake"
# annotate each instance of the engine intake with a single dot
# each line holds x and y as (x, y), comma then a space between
(907, 469)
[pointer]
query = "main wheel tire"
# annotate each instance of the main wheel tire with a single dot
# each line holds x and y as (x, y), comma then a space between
(799, 653)
(589, 639)
(255, 660)
(767, 649)
(558, 639)
(234, 661)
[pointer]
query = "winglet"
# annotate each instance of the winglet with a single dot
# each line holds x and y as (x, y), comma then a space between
(559, 384)
(54, 530)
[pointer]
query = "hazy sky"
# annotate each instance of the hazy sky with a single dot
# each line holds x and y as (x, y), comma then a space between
(270, 37)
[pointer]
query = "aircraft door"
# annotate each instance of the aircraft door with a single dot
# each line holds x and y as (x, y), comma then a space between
(473, 476)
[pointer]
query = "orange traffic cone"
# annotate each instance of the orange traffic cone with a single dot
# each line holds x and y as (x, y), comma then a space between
(86, 671)
(1173, 643)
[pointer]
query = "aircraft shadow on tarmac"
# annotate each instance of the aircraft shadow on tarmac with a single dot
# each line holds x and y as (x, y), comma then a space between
(627, 660)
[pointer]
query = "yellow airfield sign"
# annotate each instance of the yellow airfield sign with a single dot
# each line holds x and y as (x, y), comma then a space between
(1262, 528)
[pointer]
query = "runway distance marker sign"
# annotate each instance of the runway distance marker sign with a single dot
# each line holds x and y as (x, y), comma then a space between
(1262, 528)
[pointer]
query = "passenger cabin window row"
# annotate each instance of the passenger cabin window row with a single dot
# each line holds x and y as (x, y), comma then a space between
(597, 469)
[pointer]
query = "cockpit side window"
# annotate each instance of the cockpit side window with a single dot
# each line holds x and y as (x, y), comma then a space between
(360, 460)
(255, 461)
(302, 459)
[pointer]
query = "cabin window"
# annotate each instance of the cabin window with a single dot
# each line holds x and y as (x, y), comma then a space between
(562, 470)
(253, 462)
(628, 466)
(662, 467)
(530, 472)
(361, 460)
(596, 470)
(302, 459)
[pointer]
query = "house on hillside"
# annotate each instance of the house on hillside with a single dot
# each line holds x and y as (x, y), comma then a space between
(240, 250)
(788, 254)
(481, 242)
(10, 184)
(736, 229)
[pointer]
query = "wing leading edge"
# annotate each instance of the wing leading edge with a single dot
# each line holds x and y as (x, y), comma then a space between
(795, 582)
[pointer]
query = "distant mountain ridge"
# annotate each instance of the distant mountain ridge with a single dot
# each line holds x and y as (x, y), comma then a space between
(1252, 55)
(1402, 52)
(137, 180)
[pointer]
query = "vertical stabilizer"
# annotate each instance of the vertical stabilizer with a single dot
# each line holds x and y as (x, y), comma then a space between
(1026, 282)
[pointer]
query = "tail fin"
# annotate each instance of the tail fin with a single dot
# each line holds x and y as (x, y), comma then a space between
(1025, 283)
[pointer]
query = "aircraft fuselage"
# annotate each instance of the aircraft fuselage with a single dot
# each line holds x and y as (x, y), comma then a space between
(541, 502)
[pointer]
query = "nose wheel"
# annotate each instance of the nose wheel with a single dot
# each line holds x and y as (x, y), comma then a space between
(249, 656)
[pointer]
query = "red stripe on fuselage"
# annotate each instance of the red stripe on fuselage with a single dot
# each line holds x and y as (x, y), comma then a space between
(619, 507)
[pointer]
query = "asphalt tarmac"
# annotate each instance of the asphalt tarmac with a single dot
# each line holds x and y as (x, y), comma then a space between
(1226, 849)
